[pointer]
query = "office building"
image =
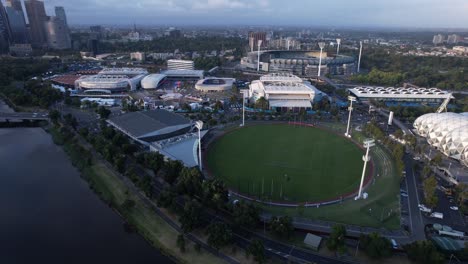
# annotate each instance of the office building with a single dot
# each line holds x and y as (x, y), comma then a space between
(255, 37)
(4, 28)
(60, 14)
(93, 46)
(21, 50)
(37, 18)
(438, 39)
(180, 65)
(58, 36)
(454, 39)
(19, 31)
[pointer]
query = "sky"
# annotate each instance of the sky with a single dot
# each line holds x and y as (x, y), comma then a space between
(334, 13)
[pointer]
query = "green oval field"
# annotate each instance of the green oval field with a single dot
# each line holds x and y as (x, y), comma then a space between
(284, 162)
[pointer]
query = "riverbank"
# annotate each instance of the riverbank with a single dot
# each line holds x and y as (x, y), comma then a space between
(116, 193)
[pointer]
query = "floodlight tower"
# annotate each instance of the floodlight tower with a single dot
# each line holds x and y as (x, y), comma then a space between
(321, 46)
(199, 125)
(360, 54)
(368, 143)
(338, 41)
(258, 61)
(350, 108)
(243, 92)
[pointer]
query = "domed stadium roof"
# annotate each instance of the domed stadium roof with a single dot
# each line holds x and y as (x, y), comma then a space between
(152, 81)
(447, 132)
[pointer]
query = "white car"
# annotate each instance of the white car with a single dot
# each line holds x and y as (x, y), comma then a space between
(404, 194)
(455, 208)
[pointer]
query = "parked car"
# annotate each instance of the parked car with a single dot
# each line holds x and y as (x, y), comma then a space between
(455, 208)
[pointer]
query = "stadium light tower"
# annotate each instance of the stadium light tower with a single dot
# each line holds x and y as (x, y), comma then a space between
(243, 92)
(338, 41)
(350, 108)
(360, 54)
(199, 125)
(321, 46)
(368, 143)
(258, 61)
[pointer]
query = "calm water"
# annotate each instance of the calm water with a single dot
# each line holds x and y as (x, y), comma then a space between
(49, 215)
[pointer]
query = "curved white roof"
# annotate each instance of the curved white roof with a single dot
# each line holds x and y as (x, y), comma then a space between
(446, 131)
(152, 81)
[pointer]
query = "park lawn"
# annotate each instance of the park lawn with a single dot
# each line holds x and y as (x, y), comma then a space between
(285, 162)
(147, 222)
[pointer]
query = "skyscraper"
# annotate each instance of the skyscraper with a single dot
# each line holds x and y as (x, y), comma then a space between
(60, 14)
(4, 29)
(15, 14)
(37, 18)
(58, 36)
(254, 37)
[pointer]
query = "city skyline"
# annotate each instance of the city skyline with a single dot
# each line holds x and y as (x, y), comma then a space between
(336, 13)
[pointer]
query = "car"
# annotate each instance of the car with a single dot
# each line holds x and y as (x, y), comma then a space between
(455, 208)
(394, 243)
(404, 194)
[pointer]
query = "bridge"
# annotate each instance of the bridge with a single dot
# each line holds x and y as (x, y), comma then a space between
(22, 116)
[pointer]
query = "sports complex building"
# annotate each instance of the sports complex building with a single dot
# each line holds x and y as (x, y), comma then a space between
(400, 94)
(447, 132)
(300, 63)
(214, 84)
(111, 80)
(153, 81)
(171, 134)
(284, 92)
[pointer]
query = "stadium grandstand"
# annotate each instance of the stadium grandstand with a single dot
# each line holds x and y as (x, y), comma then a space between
(183, 75)
(214, 84)
(284, 92)
(111, 80)
(447, 132)
(153, 81)
(301, 63)
(400, 94)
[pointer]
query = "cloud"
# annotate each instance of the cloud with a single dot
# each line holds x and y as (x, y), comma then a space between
(417, 13)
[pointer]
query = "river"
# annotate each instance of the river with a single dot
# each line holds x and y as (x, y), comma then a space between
(48, 214)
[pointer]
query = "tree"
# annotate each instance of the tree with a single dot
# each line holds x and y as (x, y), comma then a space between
(127, 205)
(430, 186)
(191, 216)
(167, 199)
(84, 132)
(103, 112)
(375, 246)
(423, 252)
(246, 214)
(55, 116)
(219, 235)
(437, 160)
(215, 193)
(181, 242)
(262, 103)
(257, 250)
(282, 226)
(189, 182)
(336, 241)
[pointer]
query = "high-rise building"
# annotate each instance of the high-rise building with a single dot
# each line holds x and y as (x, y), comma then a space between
(4, 29)
(15, 4)
(254, 37)
(454, 39)
(19, 31)
(37, 18)
(60, 14)
(58, 36)
(438, 39)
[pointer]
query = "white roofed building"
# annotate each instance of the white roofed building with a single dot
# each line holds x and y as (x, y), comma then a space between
(283, 91)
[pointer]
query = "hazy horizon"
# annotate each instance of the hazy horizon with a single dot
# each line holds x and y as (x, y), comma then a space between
(334, 13)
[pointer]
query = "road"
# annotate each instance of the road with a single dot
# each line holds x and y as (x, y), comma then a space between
(20, 116)
(416, 221)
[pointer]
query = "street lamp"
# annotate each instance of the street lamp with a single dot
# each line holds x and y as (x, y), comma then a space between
(199, 126)
(338, 41)
(258, 60)
(321, 46)
(360, 54)
(368, 143)
(350, 108)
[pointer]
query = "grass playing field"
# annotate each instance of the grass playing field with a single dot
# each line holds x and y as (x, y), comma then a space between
(285, 162)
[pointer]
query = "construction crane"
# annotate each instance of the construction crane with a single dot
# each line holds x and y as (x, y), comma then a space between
(444, 104)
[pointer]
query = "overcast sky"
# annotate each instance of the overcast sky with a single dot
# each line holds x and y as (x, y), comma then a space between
(368, 13)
